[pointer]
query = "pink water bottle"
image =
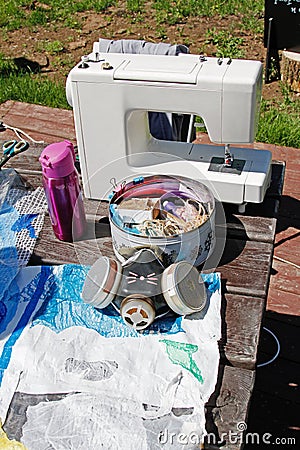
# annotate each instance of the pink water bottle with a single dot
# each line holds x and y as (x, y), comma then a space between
(61, 184)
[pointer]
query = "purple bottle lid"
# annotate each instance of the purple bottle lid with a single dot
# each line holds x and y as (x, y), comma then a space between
(58, 159)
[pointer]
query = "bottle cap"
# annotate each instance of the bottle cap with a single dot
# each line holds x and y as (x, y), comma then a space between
(183, 288)
(102, 282)
(58, 159)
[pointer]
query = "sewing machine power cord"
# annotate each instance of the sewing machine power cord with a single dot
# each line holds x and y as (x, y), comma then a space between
(18, 132)
(277, 351)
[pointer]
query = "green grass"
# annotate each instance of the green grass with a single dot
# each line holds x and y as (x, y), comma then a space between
(135, 6)
(15, 14)
(174, 11)
(279, 121)
(226, 43)
(51, 47)
(20, 85)
(35, 89)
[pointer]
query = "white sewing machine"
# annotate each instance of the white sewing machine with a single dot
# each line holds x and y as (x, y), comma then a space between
(112, 93)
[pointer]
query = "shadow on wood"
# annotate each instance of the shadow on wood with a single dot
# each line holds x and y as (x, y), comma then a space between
(275, 399)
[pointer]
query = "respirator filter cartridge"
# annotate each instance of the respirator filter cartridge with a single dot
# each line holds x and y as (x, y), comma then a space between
(183, 288)
(102, 282)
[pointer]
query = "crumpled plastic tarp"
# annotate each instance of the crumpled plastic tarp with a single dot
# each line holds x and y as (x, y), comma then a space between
(121, 387)
(21, 219)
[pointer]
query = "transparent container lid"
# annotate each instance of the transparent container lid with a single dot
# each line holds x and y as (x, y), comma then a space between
(161, 205)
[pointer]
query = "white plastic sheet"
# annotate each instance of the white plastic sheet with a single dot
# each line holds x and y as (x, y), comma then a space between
(124, 387)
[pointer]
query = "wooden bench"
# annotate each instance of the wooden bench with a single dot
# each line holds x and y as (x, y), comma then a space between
(245, 269)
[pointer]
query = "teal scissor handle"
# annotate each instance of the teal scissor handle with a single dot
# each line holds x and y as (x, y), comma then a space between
(8, 147)
(12, 148)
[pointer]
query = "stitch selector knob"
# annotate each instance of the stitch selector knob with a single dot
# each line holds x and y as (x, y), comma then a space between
(106, 66)
(84, 62)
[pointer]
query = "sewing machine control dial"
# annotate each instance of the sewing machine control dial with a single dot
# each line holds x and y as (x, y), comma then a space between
(106, 66)
(84, 62)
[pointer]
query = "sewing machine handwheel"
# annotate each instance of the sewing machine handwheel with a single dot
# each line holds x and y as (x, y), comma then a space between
(137, 311)
(102, 282)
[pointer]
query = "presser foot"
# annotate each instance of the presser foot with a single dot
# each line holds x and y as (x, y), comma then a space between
(242, 208)
(228, 160)
(228, 157)
(217, 164)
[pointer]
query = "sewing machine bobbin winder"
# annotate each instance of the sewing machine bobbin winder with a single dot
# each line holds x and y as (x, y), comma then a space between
(112, 93)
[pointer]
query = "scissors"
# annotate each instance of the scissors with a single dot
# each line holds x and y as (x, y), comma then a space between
(12, 148)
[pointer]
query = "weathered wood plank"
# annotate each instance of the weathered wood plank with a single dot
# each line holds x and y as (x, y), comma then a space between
(283, 302)
(287, 244)
(5, 107)
(32, 180)
(284, 289)
(227, 409)
(41, 122)
(291, 185)
(252, 228)
(49, 250)
(241, 323)
(245, 267)
(39, 112)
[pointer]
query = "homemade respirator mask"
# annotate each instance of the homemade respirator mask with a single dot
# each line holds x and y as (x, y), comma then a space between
(142, 289)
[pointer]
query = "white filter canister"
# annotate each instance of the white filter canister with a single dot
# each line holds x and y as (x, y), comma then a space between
(137, 311)
(183, 288)
(102, 282)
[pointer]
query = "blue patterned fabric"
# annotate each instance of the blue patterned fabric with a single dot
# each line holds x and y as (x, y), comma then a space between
(53, 299)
